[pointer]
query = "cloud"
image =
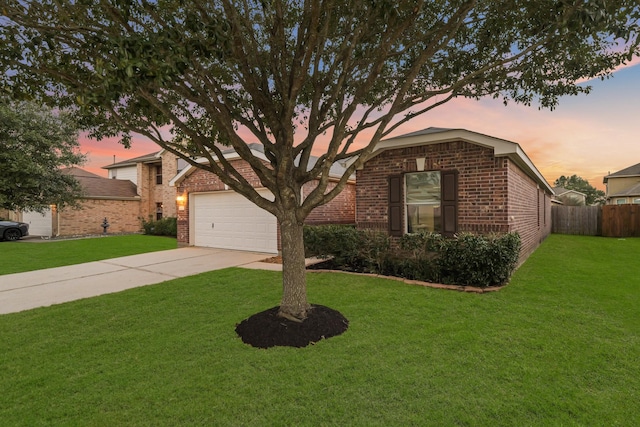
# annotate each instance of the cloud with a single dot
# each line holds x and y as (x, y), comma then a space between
(585, 135)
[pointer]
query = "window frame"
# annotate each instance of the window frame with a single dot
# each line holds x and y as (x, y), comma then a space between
(159, 209)
(437, 220)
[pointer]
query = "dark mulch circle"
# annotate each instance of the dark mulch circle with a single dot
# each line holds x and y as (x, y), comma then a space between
(266, 329)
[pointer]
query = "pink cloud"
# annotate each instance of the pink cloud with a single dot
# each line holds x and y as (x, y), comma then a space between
(587, 135)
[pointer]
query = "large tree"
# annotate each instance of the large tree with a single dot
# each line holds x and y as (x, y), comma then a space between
(577, 183)
(323, 76)
(35, 145)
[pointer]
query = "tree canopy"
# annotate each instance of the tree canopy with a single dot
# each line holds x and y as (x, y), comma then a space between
(36, 144)
(577, 183)
(300, 77)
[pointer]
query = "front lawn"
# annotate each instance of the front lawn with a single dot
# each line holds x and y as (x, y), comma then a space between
(16, 257)
(560, 345)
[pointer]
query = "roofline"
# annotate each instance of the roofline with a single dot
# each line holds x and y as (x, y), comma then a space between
(133, 162)
(633, 194)
(501, 148)
(570, 191)
(136, 198)
(606, 178)
(232, 155)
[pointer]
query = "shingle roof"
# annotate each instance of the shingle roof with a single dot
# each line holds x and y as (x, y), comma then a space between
(628, 192)
(630, 171)
(426, 131)
(95, 186)
(140, 159)
(336, 171)
(559, 191)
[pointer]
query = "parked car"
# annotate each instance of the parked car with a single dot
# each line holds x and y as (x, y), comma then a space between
(12, 230)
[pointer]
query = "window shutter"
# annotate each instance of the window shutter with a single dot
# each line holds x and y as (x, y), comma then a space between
(449, 202)
(395, 205)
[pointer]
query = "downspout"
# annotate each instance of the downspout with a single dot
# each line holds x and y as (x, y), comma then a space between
(57, 221)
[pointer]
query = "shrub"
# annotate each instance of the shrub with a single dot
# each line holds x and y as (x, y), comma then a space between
(163, 227)
(351, 249)
(475, 260)
(467, 259)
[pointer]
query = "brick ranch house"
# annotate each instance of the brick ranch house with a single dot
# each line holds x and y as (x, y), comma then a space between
(450, 181)
(211, 215)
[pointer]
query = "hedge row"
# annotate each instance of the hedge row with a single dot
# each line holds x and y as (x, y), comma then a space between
(163, 227)
(467, 259)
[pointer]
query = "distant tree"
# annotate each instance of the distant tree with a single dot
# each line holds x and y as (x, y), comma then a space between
(576, 183)
(322, 76)
(35, 144)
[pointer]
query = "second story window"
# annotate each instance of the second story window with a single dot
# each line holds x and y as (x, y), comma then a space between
(159, 175)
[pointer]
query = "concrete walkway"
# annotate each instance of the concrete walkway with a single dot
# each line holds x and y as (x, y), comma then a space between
(41, 288)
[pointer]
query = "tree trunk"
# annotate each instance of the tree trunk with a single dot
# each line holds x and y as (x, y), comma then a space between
(294, 303)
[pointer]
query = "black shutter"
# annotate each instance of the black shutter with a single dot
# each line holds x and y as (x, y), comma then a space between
(449, 189)
(395, 205)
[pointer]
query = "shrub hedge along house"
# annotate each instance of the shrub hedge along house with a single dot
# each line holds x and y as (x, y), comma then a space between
(451, 181)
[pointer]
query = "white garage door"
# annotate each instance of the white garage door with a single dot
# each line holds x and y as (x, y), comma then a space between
(228, 220)
(39, 224)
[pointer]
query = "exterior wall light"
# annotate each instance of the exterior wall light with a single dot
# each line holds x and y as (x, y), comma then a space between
(181, 201)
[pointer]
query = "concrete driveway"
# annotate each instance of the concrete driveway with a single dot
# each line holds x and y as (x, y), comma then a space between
(41, 288)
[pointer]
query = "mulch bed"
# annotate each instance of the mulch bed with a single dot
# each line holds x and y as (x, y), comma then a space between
(266, 329)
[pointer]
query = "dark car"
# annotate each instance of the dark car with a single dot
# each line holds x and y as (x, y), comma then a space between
(11, 230)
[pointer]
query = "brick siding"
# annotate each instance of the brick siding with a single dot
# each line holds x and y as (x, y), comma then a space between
(340, 210)
(168, 193)
(122, 216)
(529, 210)
(490, 190)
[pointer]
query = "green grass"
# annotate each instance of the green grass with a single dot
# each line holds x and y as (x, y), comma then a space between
(17, 257)
(558, 346)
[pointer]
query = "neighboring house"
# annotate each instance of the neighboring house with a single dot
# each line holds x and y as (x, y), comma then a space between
(450, 181)
(115, 200)
(9, 215)
(623, 187)
(135, 189)
(209, 214)
(569, 197)
(151, 174)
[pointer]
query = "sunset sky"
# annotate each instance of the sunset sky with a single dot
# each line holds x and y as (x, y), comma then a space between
(588, 135)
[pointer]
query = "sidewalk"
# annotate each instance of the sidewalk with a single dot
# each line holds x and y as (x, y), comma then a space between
(41, 288)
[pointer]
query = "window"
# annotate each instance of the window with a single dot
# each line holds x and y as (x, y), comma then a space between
(422, 199)
(621, 201)
(636, 201)
(158, 211)
(159, 175)
(180, 164)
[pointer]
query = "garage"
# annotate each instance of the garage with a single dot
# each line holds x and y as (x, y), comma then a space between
(227, 220)
(40, 224)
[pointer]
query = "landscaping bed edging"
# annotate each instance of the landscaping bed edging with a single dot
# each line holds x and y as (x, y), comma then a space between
(460, 288)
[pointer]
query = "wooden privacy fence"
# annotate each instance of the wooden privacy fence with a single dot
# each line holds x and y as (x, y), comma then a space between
(621, 221)
(583, 220)
(607, 221)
